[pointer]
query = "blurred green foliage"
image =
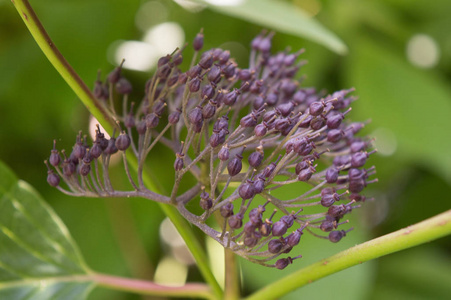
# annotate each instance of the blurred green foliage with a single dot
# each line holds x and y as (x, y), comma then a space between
(412, 105)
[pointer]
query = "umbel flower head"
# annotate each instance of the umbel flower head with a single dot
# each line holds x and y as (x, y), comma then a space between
(243, 133)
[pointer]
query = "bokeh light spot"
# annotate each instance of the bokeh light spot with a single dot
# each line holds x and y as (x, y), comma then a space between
(423, 51)
(166, 37)
(386, 142)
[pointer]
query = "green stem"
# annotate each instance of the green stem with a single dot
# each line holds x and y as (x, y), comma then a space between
(420, 233)
(232, 276)
(190, 290)
(96, 109)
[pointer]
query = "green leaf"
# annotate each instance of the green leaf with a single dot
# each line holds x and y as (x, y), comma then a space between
(284, 17)
(38, 259)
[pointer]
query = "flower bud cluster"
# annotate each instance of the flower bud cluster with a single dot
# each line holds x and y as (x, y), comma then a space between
(242, 133)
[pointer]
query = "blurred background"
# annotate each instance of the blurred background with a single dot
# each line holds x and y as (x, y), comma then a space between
(398, 58)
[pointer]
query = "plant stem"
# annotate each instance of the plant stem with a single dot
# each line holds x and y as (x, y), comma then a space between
(420, 233)
(190, 290)
(232, 276)
(95, 108)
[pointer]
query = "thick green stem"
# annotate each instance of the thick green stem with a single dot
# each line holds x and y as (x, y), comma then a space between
(232, 276)
(96, 109)
(420, 233)
(190, 290)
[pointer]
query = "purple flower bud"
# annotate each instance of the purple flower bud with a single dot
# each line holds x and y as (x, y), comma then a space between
(317, 123)
(226, 210)
(206, 61)
(68, 168)
(329, 199)
(228, 71)
(236, 221)
(250, 241)
(255, 159)
(230, 97)
(235, 165)
(111, 147)
(285, 109)
(259, 185)
(333, 122)
(331, 175)
(328, 226)
(141, 127)
(283, 263)
(358, 146)
(206, 204)
(306, 174)
(174, 117)
(279, 228)
(129, 121)
(209, 109)
(195, 115)
(306, 120)
(96, 150)
(214, 75)
(123, 141)
(358, 159)
(115, 75)
(163, 60)
(224, 57)
(246, 190)
(178, 58)
(224, 153)
(123, 86)
(316, 108)
(249, 120)
(198, 42)
(245, 74)
(272, 99)
(194, 71)
(53, 179)
(255, 87)
(158, 107)
(334, 135)
(84, 169)
(288, 87)
(357, 185)
(301, 166)
(178, 164)
(55, 158)
(79, 150)
(294, 238)
(265, 44)
(164, 71)
(152, 120)
(342, 160)
(249, 227)
(336, 236)
(275, 246)
(258, 102)
(260, 130)
(207, 92)
(194, 84)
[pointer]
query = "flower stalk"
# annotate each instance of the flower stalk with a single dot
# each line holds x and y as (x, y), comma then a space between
(189, 290)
